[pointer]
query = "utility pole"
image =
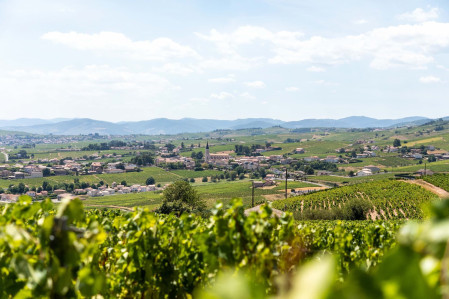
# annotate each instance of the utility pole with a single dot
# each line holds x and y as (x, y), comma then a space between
(252, 194)
(286, 174)
(425, 169)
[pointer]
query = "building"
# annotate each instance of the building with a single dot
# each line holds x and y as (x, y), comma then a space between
(299, 150)
(364, 172)
(215, 159)
(373, 168)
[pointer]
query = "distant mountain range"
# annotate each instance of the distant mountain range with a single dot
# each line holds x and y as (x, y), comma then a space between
(190, 125)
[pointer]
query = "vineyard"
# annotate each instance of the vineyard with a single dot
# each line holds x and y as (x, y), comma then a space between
(439, 179)
(72, 252)
(387, 199)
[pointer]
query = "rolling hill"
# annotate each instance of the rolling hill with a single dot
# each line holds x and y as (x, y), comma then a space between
(191, 125)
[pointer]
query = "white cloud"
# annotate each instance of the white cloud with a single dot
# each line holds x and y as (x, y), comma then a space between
(429, 79)
(255, 84)
(291, 89)
(222, 95)
(88, 83)
(315, 69)
(324, 83)
(420, 15)
(202, 101)
(360, 21)
(247, 95)
(158, 49)
(410, 46)
(245, 35)
(228, 79)
(175, 68)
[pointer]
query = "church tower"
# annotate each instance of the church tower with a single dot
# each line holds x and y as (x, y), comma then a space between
(207, 154)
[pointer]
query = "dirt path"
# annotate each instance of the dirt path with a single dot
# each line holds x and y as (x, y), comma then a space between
(428, 186)
(274, 196)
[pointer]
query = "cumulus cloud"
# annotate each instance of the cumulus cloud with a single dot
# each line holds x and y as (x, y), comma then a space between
(222, 95)
(247, 95)
(315, 69)
(420, 15)
(255, 84)
(158, 49)
(429, 79)
(88, 83)
(175, 68)
(228, 43)
(409, 46)
(228, 79)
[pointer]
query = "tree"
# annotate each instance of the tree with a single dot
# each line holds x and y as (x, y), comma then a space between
(199, 155)
(180, 197)
(192, 180)
(308, 170)
(46, 172)
(204, 180)
(123, 183)
(397, 143)
(150, 181)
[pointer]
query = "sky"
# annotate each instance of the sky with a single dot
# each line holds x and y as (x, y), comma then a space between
(287, 59)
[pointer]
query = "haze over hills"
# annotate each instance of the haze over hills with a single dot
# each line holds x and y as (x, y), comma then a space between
(190, 125)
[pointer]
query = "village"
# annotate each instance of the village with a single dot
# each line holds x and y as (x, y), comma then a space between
(243, 162)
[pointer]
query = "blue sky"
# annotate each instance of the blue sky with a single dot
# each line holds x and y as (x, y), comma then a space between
(290, 60)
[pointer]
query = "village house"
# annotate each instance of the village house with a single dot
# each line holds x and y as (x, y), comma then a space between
(299, 150)
(373, 168)
(19, 175)
(311, 159)
(275, 158)
(364, 172)
(96, 167)
(332, 159)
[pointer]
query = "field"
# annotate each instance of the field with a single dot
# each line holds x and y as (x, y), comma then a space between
(196, 174)
(117, 244)
(439, 180)
(225, 191)
(160, 175)
(439, 166)
(387, 200)
(211, 192)
(145, 199)
(349, 180)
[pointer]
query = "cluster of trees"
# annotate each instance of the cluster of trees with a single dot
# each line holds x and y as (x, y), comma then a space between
(291, 140)
(143, 159)
(21, 154)
(197, 155)
(310, 167)
(116, 143)
(246, 150)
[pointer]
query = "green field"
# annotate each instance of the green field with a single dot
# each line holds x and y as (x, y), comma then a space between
(160, 175)
(350, 180)
(439, 179)
(439, 166)
(388, 199)
(211, 192)
(144, 199)
(196, 174)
